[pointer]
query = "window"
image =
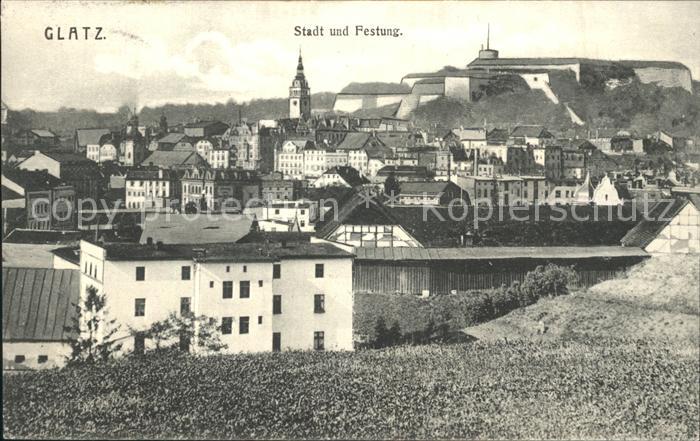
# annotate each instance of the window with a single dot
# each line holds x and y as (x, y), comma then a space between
(139, 307)
(139, 343)
(228, 269)
(226, 325)
(19, 358)
(319, 303)
(228, 290)
(140, 273)
(185, 272)
(245, 268)
(276, 271)
(260, 283)
(318, 341)
(244, 289)
(277, 304)
(211, 284)
(185, 304)
(243, 324)
(319, 270)
(43, 359)
(260, 320)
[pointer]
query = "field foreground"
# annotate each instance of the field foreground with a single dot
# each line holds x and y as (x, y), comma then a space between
(563, 390)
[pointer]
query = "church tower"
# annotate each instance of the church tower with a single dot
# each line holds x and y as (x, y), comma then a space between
(300, 94)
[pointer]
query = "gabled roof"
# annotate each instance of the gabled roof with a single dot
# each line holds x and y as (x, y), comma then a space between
(426, 187)
(8, 195)
(45, 237)
(354, 141)
(469, 133)
(497, 135)
(172, 138)
(406, 170)
(167, 159)
(68, 157)
(351, 176)
(43, 133)
(491, 253)
(31, 180)
(659, 216)
(90, 136)
(38, 303)
(356, 202)
(531, 131)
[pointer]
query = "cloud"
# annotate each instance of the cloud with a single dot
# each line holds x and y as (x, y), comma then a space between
(208, 61)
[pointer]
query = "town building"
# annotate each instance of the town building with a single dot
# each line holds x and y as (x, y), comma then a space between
(174, 160)
(205, 129)
(437, 193)
(133, 147)
(290, 159)
(275, 188)
(86, 141)
(243, 140)
(502, 190)
(468, 138)
(300, 214)
(75, 170)
(152, 189)
(606, 193)
(534, 135)
(294, 296)
(402, 173)
(212, 189)
(39, 138)
(44, 202)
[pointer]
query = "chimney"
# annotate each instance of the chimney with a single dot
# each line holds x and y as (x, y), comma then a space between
(159, 245)
(149, 241)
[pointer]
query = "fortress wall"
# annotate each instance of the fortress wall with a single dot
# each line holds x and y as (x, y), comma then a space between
(427, 98)
(674, 77)
(353, 102)
(457, 87)
(540, 81)
(410, 81)
(347, 103)
(385, 100)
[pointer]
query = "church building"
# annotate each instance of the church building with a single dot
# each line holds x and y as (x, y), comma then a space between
(300, 94)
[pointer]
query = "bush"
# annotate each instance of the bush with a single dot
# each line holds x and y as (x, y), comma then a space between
(550, 280)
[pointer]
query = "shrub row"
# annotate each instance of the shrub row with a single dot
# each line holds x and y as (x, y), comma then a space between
(389, 319)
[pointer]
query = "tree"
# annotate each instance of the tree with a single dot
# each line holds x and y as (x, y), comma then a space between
(394, 334)
(381, 333)
(181, 330)
(163, 124)
(93, 333)
(391, 185)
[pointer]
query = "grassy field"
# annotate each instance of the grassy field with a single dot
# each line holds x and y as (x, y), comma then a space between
(573, 390)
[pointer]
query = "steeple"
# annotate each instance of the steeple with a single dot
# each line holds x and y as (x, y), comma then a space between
(300, 94)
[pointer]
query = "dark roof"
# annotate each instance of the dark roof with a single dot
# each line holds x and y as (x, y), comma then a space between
(349, 175)
(38, 303)
(478, 253)
(356, 206)
(68, 157)
(659, 216)
(420, 187)
(275, 237)
(46, 237)
(167, 159)
(414, 170)
(151, 174)
(90, 136)
(651, 63)
(533, 131)
(8, 194)
(497, 135)
(354, 141)
(31, 180)
(172, 138)
(71, 254)
(229, 252)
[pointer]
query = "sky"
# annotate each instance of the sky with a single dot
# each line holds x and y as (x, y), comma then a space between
(206, 52)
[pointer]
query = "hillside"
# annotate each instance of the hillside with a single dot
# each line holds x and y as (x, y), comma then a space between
(641, 107)
(657, 299)
(64, 121)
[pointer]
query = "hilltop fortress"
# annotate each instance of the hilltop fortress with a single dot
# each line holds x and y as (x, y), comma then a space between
(470, 82)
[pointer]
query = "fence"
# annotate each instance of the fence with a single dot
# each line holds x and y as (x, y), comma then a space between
(443, 277)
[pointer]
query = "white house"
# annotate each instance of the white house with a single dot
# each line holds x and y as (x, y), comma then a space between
(152, 189)
(303, 212)
(265, 297)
